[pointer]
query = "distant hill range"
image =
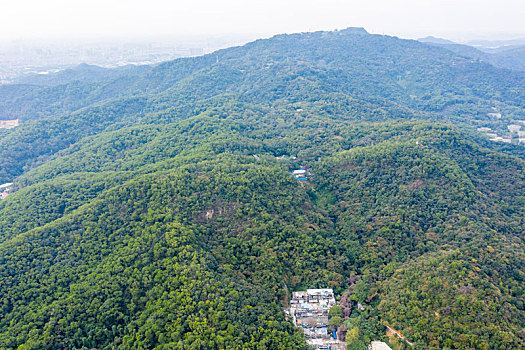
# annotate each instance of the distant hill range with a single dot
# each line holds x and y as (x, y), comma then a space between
(509, 54)
(497, 45)
(83, 72)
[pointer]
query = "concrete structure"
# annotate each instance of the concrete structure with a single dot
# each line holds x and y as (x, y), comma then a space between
(300, 174)
(9, 124)
(379, 345)
(514, 128)
(326, 344)
(4, 190)
(500, 139)
(6, 186)
(494, 115)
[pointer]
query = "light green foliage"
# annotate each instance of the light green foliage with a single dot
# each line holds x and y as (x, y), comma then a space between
(352, 336)
(336, 310)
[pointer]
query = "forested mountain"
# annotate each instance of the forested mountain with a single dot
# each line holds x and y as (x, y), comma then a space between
(152, 210)
(349, 61)
(506, 56)
(346, 70)
(512, 58)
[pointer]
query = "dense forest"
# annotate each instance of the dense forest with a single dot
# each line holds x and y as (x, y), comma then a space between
(152, 208)
(509, 55)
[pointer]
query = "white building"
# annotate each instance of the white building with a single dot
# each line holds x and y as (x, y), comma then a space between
(6, 186)
(9, 124)
(379, 345)
(514, 128)
(299, 172)
(500, 139)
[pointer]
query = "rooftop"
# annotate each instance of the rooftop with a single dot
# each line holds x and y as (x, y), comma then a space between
(379, 345)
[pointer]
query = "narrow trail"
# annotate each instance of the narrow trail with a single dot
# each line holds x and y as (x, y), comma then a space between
(392, 330)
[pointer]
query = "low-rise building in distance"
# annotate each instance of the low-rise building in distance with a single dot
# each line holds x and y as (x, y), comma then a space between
(9, 124)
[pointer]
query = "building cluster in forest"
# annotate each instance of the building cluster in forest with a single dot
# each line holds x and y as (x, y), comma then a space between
(300, 174)
(515, 133)
(309, 311)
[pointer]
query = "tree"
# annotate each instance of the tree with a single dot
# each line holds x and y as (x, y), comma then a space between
(336, 310)
(335, 321)
(352, 336)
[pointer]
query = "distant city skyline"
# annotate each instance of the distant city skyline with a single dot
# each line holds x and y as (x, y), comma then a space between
(458, 20)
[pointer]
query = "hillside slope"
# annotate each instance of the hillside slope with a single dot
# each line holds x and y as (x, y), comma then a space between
(166, 218)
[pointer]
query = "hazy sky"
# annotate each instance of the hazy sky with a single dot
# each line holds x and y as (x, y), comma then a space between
(455, 19)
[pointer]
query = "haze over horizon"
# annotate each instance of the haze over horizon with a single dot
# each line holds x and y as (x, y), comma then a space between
(63, 20)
